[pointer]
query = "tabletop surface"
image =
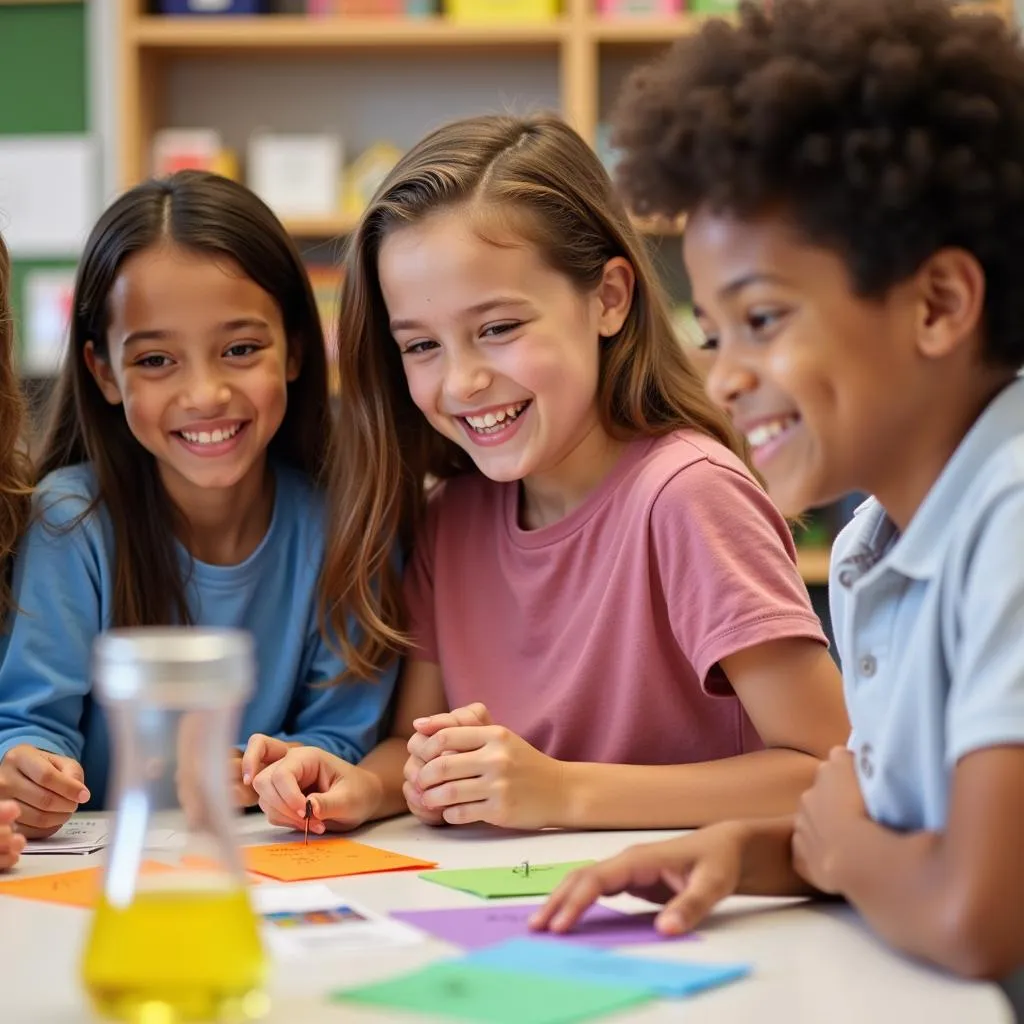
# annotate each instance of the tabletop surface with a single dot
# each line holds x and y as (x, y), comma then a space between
(811, 963)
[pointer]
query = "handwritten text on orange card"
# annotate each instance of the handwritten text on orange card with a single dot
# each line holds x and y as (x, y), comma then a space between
(326, 858)
(71, 888)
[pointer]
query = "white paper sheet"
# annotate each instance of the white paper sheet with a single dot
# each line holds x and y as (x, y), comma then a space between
(80, 835)
(87, 835)
(307, 918)
(49, 194)
(48, 298)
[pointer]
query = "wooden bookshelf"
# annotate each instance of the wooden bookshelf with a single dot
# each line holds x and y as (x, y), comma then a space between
(579, 42)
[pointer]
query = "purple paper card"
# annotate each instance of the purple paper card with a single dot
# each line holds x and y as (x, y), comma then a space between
(477, 927)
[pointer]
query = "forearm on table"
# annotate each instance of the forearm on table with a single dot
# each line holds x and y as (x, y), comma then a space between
(763, 784)
(386, 761)
(901, 884)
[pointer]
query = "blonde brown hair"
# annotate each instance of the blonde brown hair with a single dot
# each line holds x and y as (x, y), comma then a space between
(15, 470)
(563, 203)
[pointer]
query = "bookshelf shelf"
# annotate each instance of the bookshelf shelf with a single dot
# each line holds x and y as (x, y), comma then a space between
(321, 227)
(814, 563)
(342, 224)
(642, 30)
(283, 34)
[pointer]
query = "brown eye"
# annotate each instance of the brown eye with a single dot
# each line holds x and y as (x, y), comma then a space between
(765, 320)
(415, 348)
(242, 348)
(496, 330)
(153, 362)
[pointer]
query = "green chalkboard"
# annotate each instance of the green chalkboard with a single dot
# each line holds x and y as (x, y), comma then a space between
(42, 68)
(43, 86)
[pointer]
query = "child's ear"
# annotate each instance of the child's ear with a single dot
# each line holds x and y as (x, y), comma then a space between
(952, 289)
(101, 372)
(293, 364)
(615, 295)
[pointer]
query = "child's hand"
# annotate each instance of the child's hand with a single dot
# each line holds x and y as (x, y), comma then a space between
(11, 842)
(47, 787)
(260, 752)
(486, 773)
(827, 811)
(473, 714)
(414, 798)
(689, 875)
(342, 796)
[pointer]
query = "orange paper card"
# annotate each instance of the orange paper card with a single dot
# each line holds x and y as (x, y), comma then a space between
(71, 888)
(326, 858)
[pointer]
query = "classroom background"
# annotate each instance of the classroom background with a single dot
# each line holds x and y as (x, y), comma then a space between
(309, 102)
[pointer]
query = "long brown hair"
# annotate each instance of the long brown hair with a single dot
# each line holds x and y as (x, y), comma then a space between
(561, 201)
(15, 470)
(206, 214)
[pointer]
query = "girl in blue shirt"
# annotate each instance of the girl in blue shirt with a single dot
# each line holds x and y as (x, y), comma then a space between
(179, 484)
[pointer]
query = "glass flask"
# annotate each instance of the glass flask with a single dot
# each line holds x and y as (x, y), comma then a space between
(174, 937)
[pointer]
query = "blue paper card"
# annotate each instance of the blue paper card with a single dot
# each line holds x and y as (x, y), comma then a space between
(554, 959)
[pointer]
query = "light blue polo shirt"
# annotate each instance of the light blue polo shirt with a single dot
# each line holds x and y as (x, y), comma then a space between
(930, 627)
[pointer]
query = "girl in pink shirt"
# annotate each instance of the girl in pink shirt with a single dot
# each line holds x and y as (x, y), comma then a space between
(598, 586)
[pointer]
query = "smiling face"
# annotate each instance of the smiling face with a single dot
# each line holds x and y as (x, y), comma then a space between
(196, 353)
(501, 353)
(826, 385)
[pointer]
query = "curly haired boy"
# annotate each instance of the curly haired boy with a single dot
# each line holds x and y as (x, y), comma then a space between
(853, 176)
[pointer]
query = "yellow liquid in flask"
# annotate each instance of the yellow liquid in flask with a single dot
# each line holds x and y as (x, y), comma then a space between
(173, 957)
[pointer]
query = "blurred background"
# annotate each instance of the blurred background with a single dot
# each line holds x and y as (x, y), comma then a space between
(309, 102)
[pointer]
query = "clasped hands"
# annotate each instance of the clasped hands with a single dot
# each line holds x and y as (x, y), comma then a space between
(462, 768)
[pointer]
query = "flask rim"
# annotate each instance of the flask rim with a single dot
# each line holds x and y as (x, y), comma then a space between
(194, 665)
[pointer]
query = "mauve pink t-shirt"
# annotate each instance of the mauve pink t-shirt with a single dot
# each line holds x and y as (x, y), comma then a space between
(598, 638)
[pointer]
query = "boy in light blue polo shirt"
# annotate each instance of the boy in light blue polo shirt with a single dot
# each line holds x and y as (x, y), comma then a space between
(853, 176)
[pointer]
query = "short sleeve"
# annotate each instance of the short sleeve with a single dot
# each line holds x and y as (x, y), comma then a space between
(986, 702)
(418, 585)
(727, 563)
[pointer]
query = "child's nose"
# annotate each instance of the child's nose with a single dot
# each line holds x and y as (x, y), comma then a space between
(466, 377)
(207, 391)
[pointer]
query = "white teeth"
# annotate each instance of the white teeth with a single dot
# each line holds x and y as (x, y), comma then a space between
(765, 432)
(494, 422)
(210, 436)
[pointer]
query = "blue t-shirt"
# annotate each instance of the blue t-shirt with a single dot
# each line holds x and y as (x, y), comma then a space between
(63, 592)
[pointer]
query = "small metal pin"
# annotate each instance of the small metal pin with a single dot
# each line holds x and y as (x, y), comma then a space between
(309, 811)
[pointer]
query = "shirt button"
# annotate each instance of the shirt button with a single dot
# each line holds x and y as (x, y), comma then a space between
(868, 665)
(867, 766)
(846, 578)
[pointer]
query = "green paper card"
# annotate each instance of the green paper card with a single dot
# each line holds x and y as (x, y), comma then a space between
(453, 989)
(522, 880)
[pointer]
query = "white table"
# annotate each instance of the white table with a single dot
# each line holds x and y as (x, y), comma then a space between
(812, 964)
